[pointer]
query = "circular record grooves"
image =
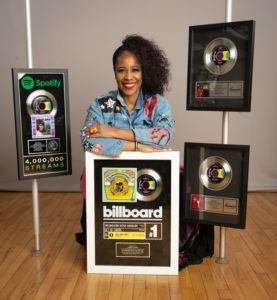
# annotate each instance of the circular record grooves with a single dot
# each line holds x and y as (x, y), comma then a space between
(149, 185)
(215, 173)
(44, 98)
(220, 56)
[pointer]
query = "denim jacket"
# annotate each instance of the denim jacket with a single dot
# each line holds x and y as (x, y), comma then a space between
(150, 120)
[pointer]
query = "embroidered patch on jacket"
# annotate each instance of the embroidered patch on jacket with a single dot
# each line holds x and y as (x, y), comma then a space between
(108, 104)
(97, 148)
(164, 118)
(157, 134)
(149, 106)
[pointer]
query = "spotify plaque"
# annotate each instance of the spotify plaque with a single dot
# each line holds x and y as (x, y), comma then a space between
(215, 184)
(220, 66)
(132, 213)
(41, 108)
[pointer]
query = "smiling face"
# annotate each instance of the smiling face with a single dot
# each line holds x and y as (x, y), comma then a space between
(40, 127)
(128, 75)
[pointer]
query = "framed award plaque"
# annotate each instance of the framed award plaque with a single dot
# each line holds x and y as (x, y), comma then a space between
(220, 66)
(42, 122)
(132, 213)
(215, 184)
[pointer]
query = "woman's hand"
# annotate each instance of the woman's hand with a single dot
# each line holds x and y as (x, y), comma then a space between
(99, 130)
(131, 146)
(106, 131)
(150, 149)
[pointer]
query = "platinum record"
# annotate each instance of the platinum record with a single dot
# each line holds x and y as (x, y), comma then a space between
(215, 173)
(41, 102)
(149, 185)
(220, 56)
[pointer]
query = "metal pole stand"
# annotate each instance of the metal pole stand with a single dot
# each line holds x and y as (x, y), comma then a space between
(37, 251)
(225, 127)
(222, 259)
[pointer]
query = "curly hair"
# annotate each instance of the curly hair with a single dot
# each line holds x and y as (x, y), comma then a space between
(154, 63)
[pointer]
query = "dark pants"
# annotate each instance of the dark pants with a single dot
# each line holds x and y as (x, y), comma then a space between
(81, 237)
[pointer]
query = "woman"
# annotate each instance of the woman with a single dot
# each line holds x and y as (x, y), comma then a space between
(136, 117)
(40, 128)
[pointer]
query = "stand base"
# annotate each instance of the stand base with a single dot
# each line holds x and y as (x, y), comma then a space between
(222, 260)
(37, 253)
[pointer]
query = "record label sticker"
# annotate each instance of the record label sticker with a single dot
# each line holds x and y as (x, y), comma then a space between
(216, 173)
(220, 55)
(147, 184)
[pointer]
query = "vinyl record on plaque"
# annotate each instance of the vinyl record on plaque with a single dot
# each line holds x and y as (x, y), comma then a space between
(215, 173)
(41, 102)
(149, 185)
(220, 56)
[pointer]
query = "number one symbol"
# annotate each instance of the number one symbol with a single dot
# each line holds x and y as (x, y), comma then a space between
(154, 232)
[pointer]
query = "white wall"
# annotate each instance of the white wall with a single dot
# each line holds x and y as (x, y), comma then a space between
(82, 36)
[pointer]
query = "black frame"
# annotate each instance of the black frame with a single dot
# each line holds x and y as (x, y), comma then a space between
(163, 167)
(22, 116)
(237, 157)
(240, 74)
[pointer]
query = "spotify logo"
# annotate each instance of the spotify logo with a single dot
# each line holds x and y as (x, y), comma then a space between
(27, 82)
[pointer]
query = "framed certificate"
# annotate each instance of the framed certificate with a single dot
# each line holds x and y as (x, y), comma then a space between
(42, 120)
(215, 184)
(132, 213)
(220, 65)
